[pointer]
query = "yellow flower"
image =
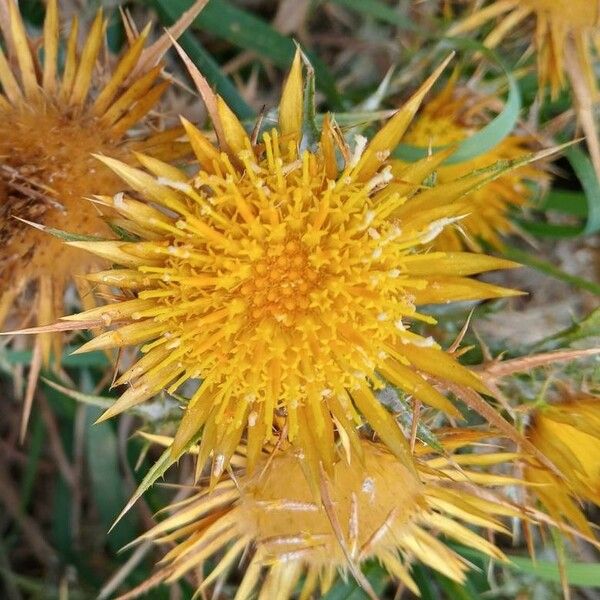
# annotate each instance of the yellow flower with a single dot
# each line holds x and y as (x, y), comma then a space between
(449, 118)
(562, 26)
(50, 123)
(376, 509)
(568, 433)
(285, 280)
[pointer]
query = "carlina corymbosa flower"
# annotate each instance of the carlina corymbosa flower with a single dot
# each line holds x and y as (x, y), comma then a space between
(284, 275)
(568, 433)
(451, 117)
(565, 31)
(376, 509)
(51, 120)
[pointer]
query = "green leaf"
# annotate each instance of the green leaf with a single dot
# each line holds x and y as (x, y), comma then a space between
(157, 410)
(565, 201)
(584, 170)
(157, 470)
(490, 135)
(350, 590)
(91, 359)
(245, 30)
(380, 11)
(549, 230)
(168, 12)
(423, 578)
(36, 439)
(580, 574)
(454, 590)
(550, 269)
(106, 484)
(587, 328)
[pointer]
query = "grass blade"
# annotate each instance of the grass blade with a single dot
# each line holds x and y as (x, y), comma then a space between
(245, 30)
(550, 269)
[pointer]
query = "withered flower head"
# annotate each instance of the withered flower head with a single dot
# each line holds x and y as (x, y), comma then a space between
(374, 509)
(51, 121)
(565, 31)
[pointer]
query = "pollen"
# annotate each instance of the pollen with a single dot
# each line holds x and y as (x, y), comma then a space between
(281, 283)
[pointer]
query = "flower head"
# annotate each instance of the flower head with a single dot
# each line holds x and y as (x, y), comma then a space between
(50, 123)
(451, 117)
(378, 509)
(561, 27)
(284, 276)
(568, 433)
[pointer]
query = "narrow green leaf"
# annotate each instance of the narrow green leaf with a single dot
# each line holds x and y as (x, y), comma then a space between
(455, 590)
(580, 574)
(245, 30)
(584, 170)
(424, 580)
(549, 230)
(91, 359)
(550, 269)
(158, 469)
(36, 439)
(168, 12)
(565, 201)
(350, 590)
(106, 484)
(589, 327)
(380, 11)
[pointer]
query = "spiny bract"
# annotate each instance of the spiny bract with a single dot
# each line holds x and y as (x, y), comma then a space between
(285, 283)
(50, 123)
(449, 118)
(562, 26)
(381, 508)
(568, 433)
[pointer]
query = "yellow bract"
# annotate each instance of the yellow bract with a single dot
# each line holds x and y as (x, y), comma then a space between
(50, 123)
(560, 24)
(285, 279)
(449, 118)
(568, 433)
(378, 509)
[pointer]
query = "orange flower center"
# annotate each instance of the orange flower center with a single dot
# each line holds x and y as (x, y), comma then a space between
(281, 283)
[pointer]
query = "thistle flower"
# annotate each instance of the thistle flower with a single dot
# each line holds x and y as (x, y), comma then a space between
(285, 282)
(568, 433)
(449, 118)
(560, 26)
(379, 509)
(50, 123)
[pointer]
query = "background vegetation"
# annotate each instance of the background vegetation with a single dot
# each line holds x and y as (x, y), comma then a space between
(61, 490)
